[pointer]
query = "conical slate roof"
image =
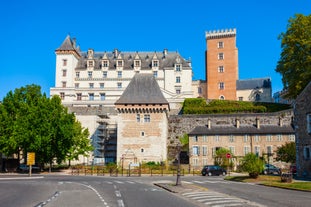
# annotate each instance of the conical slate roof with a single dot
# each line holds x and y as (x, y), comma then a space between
(143, 89)
(67, 44)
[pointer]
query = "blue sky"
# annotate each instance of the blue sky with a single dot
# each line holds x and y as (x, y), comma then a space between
(32, 30)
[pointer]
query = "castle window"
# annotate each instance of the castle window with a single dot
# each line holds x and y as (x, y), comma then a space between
(90, 63)
(279, 137)
(232, 149)
(120, 63)
(147, 118)
(79, 96)
(141, 150)
(64, 84)
(62, 95)
(137, 118)
(91, 85)
(216, 138)
(220, 69)
(246, 138)
(77, 74)
(119, 85)
(119, 74)
(102, 96)
(142, 134)
(102, 85)
(76, 85)
(199, 90)
(137, 63)
(240, 98)
(195, 138)
(89, 74)
(269, 149)
(256, 138)
(291, 137)
(221, 85)
(155, 74)
(178, 67)
(104, 74)
(177, 91)
(306, 152)
(91, 96)
(105, 63)
(220, 56)
(220, 44)
(221, 97)
(64, 73)
(177, 79)
(64, 62)
(155, 63)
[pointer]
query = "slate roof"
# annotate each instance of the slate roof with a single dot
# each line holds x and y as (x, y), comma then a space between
(68, 44)
(247, 129)
(253, 83)
(143, 89)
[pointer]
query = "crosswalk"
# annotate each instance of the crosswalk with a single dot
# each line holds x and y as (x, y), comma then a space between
(215, 199)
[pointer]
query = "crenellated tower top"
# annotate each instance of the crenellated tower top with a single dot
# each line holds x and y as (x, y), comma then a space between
(215, 34)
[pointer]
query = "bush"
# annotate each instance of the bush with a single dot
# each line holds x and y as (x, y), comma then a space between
(252, 164)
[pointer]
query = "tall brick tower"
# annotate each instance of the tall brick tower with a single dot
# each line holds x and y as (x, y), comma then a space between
(221, 62)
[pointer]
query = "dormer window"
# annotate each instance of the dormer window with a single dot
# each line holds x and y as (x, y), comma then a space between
(155, 63)
(90, 63)
(120, 63)
(178, 67)
(105, 63)
(137, 63)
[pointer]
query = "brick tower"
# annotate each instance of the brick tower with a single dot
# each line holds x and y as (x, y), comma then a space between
(221, 62)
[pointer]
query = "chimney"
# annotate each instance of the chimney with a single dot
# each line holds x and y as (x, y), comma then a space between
(209, 124)
(258, 123)
(237, 123)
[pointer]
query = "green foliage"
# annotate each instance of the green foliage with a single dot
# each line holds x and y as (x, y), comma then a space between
(184, 140)
(221, 158)
(31, 122)
(199, 106)
(287, 152)
(252, 164)
(295, 60)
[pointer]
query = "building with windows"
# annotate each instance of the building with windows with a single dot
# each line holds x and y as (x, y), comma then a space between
(239, 138)
(302, 122)
(142, 122)
(222, 71)
(90, 83)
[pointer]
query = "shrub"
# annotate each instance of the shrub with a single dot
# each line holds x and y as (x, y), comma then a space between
(252, 164)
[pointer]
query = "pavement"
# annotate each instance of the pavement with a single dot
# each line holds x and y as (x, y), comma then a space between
(182, 188)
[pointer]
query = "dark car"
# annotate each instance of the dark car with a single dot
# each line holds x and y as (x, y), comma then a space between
(213, 170)
(271, 169)
(25, 168)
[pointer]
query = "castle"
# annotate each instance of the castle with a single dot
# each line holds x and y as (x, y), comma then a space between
(126, 98)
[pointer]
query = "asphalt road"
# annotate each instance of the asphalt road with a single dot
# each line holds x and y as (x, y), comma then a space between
(106, 191)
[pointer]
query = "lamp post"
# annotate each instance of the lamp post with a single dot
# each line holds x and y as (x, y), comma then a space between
(178, 181)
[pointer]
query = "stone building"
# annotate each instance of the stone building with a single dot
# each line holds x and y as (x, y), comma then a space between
(241, 133)
(302, 121)
(89, 83)
(142, 122)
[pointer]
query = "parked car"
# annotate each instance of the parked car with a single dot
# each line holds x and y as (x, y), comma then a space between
(293, 169)
(271, 169)
(213, 170)
(25, 168)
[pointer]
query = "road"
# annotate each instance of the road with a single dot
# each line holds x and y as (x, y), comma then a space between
(105, 191)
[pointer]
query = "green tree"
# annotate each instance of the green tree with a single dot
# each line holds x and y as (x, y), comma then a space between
(221, 158)
(252, 164)
(31, 122)
(184, 140)
(295, 62)
(287, 152)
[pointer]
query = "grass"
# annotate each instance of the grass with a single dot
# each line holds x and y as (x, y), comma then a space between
(273, 181)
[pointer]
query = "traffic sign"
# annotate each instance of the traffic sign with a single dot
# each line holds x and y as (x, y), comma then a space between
(30, 158)
(228, 155)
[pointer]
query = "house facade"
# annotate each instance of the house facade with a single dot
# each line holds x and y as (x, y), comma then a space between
(302, 121)
(246, 135)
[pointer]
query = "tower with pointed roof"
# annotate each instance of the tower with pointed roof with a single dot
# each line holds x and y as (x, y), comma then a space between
(142, 122)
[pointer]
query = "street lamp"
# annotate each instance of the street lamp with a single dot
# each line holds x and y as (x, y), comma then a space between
(178, 181)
